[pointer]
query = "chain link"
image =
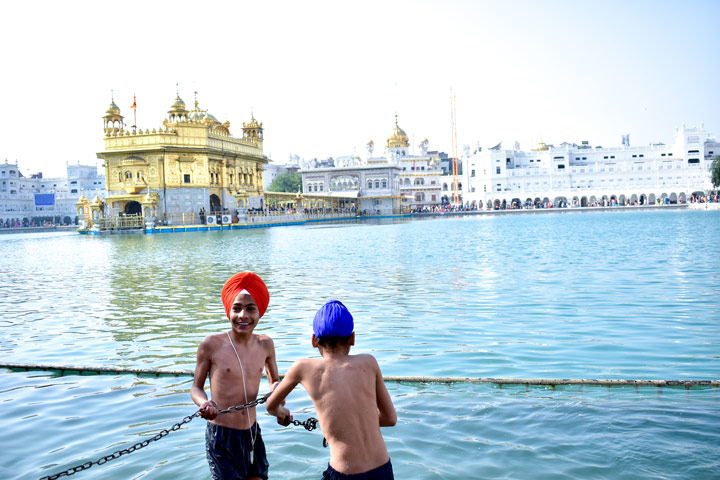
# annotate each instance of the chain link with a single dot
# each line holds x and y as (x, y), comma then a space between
(310, 424)
(235, 408)
(145, 443)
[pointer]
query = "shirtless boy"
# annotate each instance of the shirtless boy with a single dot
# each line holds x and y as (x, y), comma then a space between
(349, 396)
(235, 360)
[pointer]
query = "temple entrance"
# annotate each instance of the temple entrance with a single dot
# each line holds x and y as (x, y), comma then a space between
(215, 205)
(132, 208)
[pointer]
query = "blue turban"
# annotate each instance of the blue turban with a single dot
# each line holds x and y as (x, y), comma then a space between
(333, 320)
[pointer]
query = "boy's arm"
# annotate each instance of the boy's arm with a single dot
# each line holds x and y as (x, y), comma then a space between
(275, 402)
(386, 409)
(208, 408)
(271, 369)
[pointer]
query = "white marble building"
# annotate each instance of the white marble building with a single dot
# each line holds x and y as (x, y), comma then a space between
(374, 189)
(23, 197)
(420, 175)
(393, 183)
(581, 175)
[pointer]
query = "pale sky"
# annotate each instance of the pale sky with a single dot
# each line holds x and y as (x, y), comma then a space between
(325, 77)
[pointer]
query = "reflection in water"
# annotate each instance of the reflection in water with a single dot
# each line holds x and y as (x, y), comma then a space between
(535, 295)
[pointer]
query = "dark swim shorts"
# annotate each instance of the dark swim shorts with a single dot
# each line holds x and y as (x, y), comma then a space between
(383, 472)
(228, 453)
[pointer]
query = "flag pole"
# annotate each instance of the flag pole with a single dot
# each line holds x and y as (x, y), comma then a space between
(134, 107)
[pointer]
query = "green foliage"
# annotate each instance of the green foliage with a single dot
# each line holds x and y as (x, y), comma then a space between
(715, 172)
(286, 182)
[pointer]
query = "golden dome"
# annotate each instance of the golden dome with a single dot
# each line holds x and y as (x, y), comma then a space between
(96, 200)
(398, 138)
(178, 106)
(252, 123)
(202, 116)
(113, 109)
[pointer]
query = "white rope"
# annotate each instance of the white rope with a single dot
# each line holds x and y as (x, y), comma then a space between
(242, 370)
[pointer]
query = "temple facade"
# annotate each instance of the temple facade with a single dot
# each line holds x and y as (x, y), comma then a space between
(191, 161)
(395, 182)
(420, 175)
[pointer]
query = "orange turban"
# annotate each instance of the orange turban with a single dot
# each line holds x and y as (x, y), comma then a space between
(245, 281)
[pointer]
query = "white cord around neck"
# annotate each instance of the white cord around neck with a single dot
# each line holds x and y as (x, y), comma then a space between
(242, 370)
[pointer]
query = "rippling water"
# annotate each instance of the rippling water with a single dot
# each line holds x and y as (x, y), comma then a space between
(586, 295)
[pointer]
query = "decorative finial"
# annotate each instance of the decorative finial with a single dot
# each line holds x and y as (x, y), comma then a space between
(112, 96)
(196, 102)
(396, 119)
(177, 89)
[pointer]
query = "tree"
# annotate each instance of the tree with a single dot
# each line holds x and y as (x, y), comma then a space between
(715, 172)
(286, 182)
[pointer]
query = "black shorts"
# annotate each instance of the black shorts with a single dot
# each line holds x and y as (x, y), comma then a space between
(228, 453)
(383, 472)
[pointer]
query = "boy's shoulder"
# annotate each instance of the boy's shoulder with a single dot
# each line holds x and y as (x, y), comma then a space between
(213, 339)
(359, 359)
(365, 359)
(263, 340)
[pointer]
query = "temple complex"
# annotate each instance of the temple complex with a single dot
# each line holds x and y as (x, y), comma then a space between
(191, 161)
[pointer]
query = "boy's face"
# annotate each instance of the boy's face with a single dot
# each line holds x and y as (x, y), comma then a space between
(244, 314)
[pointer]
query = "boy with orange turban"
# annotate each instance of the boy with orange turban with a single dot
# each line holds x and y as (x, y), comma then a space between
(234, 361)
(349, 396)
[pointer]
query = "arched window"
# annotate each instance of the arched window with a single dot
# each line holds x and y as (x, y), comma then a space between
(377, 184)
(384, 184)
(369, 184)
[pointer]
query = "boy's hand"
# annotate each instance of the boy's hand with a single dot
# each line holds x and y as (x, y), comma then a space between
(209, 410)
(283, 416)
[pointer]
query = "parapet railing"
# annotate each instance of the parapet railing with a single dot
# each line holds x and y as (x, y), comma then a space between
(270, 216)
(120, 222)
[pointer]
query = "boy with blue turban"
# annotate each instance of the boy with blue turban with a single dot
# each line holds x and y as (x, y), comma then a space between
(349, 396)
(234, 361)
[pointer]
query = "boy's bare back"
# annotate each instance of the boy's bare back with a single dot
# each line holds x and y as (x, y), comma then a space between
(351, 402)
(349, 395)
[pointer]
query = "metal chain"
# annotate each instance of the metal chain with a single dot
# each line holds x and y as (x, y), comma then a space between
(145, 443)
(235, 408)
(124, 451)
(310, 424)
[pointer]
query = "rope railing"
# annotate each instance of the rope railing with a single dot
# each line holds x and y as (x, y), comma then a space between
(81, 370)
